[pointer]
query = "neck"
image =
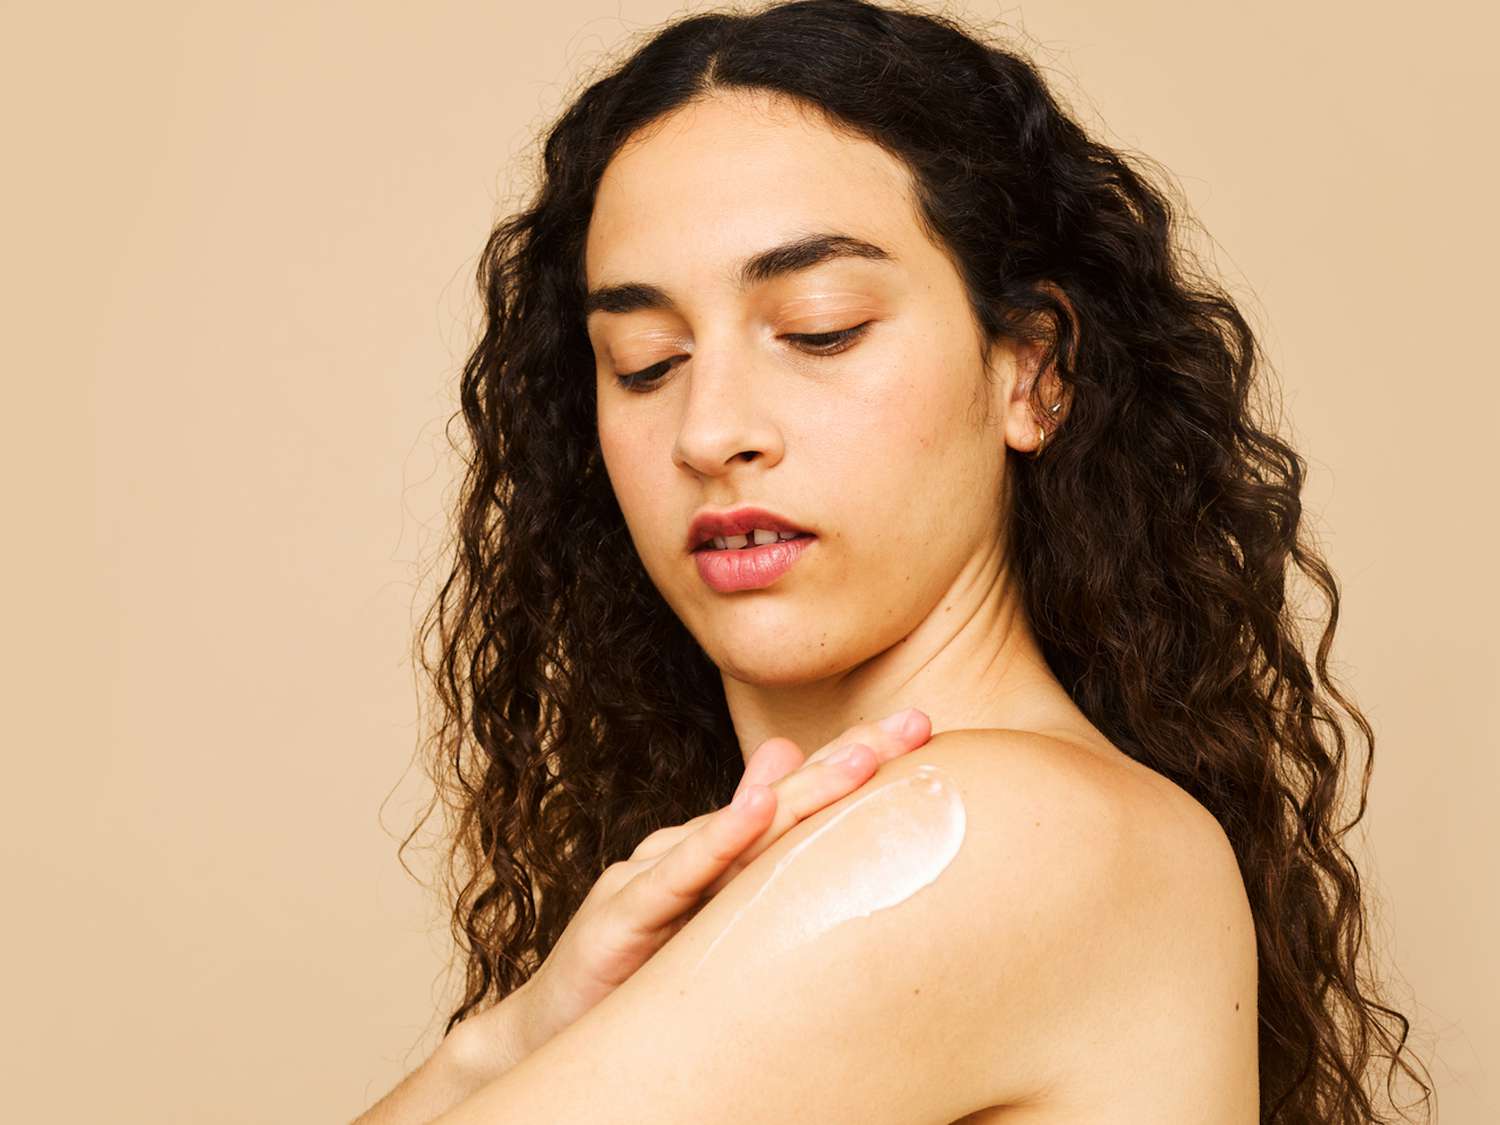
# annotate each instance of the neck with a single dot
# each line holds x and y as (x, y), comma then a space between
(972, 662)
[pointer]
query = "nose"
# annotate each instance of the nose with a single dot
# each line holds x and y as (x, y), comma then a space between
(724, 415)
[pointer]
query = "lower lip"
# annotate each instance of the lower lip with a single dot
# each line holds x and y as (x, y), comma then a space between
(749, 568)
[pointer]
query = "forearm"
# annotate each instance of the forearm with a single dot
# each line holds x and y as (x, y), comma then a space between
(475, 1052)
(427, 1092)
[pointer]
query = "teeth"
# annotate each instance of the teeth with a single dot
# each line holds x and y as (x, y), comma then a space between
(759, 537)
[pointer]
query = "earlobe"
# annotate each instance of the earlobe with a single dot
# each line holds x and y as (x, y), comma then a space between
(1025, 431)
(1042, 433)
(1018, 369)
(1052, 392)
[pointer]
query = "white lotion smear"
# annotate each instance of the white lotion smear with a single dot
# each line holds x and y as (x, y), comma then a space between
(904, 832)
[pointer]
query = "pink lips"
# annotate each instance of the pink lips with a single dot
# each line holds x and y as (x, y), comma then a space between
(708, 523)
(749, 568)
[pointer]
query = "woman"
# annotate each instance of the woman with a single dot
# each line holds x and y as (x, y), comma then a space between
(854, 270)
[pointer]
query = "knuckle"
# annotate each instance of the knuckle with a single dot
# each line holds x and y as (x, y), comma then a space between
(653, 839)
(616, 875)
(865, 734)
(760, 748)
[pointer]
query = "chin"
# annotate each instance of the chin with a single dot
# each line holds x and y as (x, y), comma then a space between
(766, 667)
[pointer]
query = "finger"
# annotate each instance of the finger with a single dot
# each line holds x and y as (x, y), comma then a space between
(777, 760)
(772, 760)
(798, 797)
(889, 738)
(675, 882)
(829, 775)
(826, 781)
(664, 839)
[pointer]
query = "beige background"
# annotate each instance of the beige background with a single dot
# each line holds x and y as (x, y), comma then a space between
(239, 246)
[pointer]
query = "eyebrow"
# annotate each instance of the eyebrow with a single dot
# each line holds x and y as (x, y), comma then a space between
(778, 261)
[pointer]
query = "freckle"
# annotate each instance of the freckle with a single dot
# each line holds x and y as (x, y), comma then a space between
(915, 991)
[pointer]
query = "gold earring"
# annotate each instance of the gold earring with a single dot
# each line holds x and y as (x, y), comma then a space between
(1041, 431)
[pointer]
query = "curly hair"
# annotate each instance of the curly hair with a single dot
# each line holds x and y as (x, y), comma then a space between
(1152, 543)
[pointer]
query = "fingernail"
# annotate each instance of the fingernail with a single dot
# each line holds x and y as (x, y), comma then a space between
(896, 724)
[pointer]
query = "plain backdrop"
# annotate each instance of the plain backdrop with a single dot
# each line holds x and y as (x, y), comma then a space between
(239, 242)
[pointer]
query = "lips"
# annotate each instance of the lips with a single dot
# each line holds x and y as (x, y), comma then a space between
(752, 568)
(739, 521)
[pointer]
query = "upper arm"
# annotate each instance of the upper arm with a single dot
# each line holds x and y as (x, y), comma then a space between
(909, 953)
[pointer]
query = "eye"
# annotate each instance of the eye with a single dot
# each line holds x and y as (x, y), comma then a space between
(644, 377)
(831, 343)
(820, 343)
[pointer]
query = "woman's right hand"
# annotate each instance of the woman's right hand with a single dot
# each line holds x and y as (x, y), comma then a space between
(638, 904)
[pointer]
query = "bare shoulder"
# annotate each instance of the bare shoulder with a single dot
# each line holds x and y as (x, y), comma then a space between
(1149, 923)
(1140, 843)
(1108, 801)
(971, 928)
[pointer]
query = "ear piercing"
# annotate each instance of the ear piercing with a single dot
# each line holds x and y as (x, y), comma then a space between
(1041, 431)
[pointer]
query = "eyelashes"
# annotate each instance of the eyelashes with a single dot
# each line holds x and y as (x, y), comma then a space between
(816, 343)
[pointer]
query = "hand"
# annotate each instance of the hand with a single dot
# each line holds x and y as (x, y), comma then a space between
(638, 904)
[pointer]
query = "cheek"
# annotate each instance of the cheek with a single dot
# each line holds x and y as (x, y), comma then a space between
(626, 460)
(641, 475)
(912, 470)
(885, 482)
(894, 443)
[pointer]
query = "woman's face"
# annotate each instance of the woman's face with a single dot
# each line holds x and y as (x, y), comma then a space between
(890, 451)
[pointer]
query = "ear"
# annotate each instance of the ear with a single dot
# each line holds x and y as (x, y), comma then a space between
(1019, 365)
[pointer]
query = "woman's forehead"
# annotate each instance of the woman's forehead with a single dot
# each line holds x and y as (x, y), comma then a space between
(724, 181)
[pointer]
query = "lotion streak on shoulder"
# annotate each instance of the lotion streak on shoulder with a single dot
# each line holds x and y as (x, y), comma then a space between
(908, 830)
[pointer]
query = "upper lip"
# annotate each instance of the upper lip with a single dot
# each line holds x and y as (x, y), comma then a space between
(709, 525)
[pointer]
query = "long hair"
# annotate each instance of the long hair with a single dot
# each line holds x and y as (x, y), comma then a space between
(1153, 540)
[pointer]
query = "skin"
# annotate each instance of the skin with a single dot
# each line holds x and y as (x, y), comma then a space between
(913, 828)
(892, 451)
(895, 451)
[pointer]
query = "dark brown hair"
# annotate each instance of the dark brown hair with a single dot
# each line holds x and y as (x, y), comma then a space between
(1153, 540)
